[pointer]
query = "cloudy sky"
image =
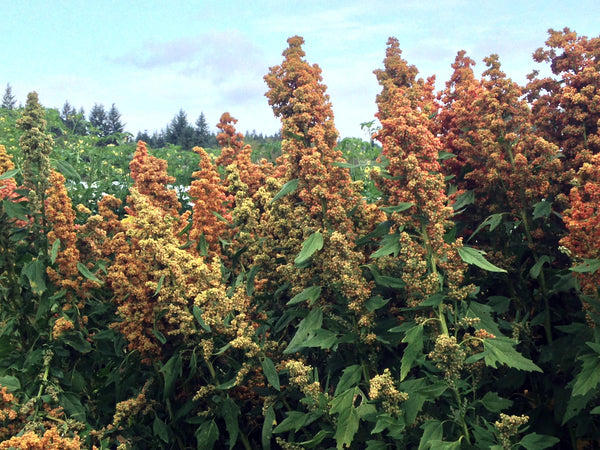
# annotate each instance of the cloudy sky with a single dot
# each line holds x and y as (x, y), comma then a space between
(152, 58)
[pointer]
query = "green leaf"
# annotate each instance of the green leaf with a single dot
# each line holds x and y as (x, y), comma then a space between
(381, 230)
(588, 265)
(287, 188)
(501, 351)
(596, 410)
(270, 373)
(312, 244)
(347, 426)
(324, 339)
(54, 250)
(198, 315)
(534, 441)
(390, 244)
(76, 340)
(319, 437)
(72, 406)
(66, 169)
(9, 174)
(231, 411)
(86, 273)
(171, 371)
(306, 329)
(15, 210)
(542, 209)
(375, 303)
(432, 431)
(311, 294)
(589, 377)
(494, 403)
(159, 285)
(202, 245)
(403, 206)
(267, 429)
(11, 383)
(414, 339)
(464, 199)
(160, 336)
(534, 272)
(160, 430)
(207, 435)
(35, 271)
(492, 221)
(350, 377)
(473, 256)
(294, 421)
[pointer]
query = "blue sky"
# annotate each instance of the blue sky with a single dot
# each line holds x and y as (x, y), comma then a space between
(152, 58)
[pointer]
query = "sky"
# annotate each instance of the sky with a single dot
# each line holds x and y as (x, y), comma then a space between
(153, 58)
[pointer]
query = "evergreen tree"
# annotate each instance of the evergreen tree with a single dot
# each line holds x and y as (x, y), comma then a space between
(99, 120)
(114, 124)
(8, 100)
(202, 131)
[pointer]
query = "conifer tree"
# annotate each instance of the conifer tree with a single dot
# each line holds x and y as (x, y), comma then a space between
(8, 100)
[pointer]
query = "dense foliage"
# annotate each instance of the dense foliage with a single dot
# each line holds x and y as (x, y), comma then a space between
(436, 287)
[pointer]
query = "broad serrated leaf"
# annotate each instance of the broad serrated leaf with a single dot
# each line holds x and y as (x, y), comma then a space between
(306, 328)
(286, 189)
(231, 411)
(54, 250)
(542, 209)
(160, 430)
(390, 244)
(347, 426)
(589, 377)
(414, 339)
(207, 435)
(494, 403)
(311, 294)
(501, 351)
(9, 174)
(464, 199)
(267, 429)
(473, 256)
(86, 273)
(534, 441)
(270, 373)
(10, 382)
(294, 421)
(534, 272)
(492, 221)
(398, 208)
(66, 169)
(76, 340)
(588, 266)
(35, 271)
(311, 245)
(15, 210)
(432, 431)
(350, 377)
(375, 303)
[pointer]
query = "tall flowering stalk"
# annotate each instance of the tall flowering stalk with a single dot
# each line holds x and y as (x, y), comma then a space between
(415, 180)
(582, 220)
(566, 107)
(61, 221)
(210, 217)
(36, 146)
(325, 194)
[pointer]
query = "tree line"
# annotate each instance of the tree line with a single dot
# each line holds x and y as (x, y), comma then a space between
(108, 126)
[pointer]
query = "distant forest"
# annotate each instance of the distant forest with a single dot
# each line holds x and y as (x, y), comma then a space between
(109, 127)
